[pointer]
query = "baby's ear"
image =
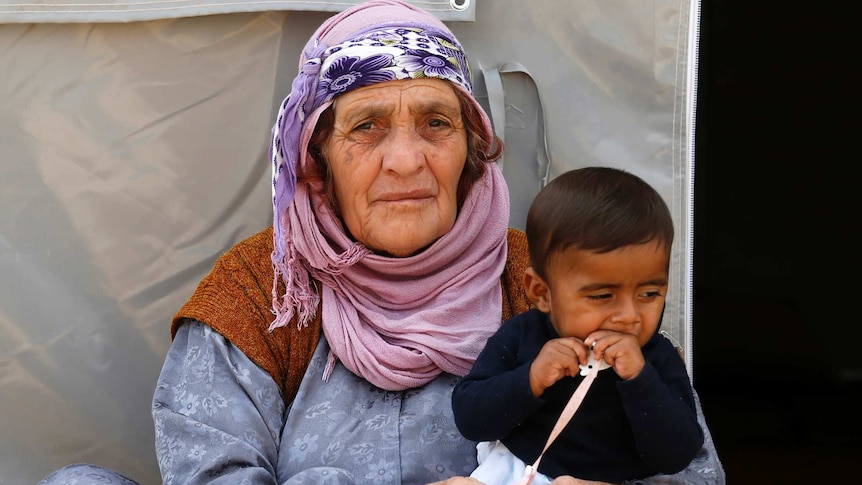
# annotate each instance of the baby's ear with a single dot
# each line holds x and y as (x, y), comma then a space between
(537, 290)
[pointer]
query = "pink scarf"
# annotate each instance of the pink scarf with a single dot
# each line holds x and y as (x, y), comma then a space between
(400, 322)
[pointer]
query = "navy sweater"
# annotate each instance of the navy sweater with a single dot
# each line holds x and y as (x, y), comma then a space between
(623, 430)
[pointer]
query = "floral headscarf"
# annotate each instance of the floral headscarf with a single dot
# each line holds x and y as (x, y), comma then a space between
(387, 55)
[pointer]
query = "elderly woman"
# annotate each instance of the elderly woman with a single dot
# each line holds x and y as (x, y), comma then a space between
(325, 349)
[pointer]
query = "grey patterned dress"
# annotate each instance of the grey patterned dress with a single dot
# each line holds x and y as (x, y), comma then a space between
(375, 436)
(220, 420)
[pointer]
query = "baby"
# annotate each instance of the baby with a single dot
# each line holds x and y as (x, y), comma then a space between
(600, 241)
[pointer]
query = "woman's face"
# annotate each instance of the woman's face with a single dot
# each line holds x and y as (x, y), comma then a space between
(396, 154)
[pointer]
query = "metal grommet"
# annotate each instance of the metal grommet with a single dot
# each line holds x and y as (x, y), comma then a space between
(459, 4)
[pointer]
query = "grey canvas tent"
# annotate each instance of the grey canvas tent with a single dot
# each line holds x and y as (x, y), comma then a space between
(133, 138)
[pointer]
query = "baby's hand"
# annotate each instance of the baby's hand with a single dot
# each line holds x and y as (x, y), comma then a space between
(558, 358)
(621, 350)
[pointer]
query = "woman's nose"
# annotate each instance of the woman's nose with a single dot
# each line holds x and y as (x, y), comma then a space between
(404, 152)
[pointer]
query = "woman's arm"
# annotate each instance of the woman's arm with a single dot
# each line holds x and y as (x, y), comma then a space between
(217, 415)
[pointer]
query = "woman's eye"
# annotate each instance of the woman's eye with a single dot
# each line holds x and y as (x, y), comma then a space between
(364, 126)
(438, 123)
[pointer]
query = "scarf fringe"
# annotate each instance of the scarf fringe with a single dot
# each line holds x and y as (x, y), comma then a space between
(331, 360)
(299, 298)
(344, 260)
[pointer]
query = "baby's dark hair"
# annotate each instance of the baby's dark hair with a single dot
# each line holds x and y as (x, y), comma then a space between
(597, 209)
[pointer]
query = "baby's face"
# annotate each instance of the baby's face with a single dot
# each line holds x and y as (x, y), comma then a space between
(622, 291)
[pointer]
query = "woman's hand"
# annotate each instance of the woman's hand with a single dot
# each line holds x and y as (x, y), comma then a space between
(460, 481)
(557, 481)
(576, 481)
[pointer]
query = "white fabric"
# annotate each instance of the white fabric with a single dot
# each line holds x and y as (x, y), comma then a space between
(89, 11)
(499, 466)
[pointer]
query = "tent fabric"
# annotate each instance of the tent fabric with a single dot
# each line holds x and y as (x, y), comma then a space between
(134, 154)
(91, 11)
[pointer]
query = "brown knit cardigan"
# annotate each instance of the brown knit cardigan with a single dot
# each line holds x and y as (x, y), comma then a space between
(235, 300)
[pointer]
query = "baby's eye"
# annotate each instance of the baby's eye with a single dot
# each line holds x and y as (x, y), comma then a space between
(651, 294)
(602, 296)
